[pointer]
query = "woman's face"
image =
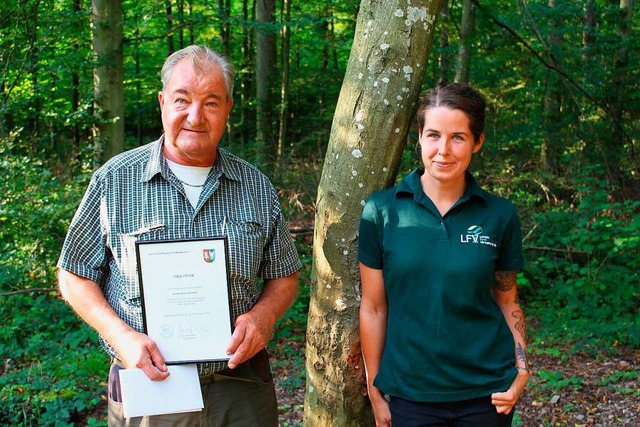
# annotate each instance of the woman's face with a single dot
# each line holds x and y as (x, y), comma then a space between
(447, 145)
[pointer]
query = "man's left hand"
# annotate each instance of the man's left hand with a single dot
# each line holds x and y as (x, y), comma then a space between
(252, 333)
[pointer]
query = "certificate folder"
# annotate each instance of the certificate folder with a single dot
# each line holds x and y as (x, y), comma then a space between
(186, 297)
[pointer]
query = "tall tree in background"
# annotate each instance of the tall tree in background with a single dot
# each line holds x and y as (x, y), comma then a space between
(464, 49)
(617, 95)
(35, 69)
(75, 81)
(590, 23)
(8, 17)
(373, 115)
(284, 85)
(265, 70)
(443, 57)
(552, 143)
(138, 86)
(168, 7)
(224, 13)
(246, 77)
(108, 75)
(181, 23)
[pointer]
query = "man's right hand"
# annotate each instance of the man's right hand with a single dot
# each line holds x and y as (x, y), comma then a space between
(137, 350)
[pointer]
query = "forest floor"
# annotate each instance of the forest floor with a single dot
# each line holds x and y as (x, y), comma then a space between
(566, 390)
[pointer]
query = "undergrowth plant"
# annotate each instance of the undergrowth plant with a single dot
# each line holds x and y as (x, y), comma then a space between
(581, 279)
(53, 369)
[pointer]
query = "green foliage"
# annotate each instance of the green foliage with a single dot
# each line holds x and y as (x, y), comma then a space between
(53, 368)
(581, 276)
(288, 344)
(556, 381)
(36, 207)
(52, 364)
(629, 378)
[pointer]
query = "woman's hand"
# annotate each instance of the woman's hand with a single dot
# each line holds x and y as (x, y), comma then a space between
(380, 406)
(505, 401)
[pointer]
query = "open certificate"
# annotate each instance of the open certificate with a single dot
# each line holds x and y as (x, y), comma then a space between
(186, 301)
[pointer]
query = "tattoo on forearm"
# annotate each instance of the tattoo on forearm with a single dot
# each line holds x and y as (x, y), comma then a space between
(522, 357)
(520, 325)
(505, 280)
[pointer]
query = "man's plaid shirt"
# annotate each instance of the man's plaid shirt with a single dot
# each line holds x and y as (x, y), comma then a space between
(135, 197)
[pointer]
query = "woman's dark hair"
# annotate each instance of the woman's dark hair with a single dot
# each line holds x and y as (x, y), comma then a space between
(456, 96)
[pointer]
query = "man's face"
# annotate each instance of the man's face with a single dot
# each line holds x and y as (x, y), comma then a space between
(194, 114)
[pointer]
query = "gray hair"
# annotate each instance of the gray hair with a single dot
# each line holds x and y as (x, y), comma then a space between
(202, 59)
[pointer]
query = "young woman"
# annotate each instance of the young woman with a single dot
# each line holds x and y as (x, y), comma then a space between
(443, 334)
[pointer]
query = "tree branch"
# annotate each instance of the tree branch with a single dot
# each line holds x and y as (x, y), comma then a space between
(549, 249)
(552, 66)
(27, 291)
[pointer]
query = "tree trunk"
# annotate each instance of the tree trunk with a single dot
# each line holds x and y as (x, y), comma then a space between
(224, 7)
(108, 90)
(192, 36)
(613, 152)
(139, 94)
(443, 59)
(246, 78)
(75, 92)
(34, 71)
(589, 28)
(332, 38)
(181, 21)
(373, 115)
(265, 69)
(284, 86)
(169, 13)
(224, 11)
(322, 96)
(464, 50)
(552, 145)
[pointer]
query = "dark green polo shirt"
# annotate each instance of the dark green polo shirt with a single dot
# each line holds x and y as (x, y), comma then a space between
(447, 340)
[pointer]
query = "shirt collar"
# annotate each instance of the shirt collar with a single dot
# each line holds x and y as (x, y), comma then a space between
(411, 185)
(155, 163)
(158, 165)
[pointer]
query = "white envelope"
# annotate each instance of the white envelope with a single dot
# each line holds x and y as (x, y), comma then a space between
(180, 392)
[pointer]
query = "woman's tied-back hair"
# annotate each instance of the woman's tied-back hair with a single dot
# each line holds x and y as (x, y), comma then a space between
(456, 96)
(202, 59)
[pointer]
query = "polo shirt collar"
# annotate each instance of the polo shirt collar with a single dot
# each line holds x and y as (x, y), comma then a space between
(411, 185)
(157, 164)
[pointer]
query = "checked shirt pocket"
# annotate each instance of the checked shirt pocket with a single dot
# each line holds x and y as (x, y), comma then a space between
(246, 246)
(125, 271)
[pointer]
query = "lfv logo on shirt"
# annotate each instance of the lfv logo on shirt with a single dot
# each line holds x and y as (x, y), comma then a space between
(475, 236)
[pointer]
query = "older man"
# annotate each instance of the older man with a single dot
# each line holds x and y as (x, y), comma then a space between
(184, 186)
